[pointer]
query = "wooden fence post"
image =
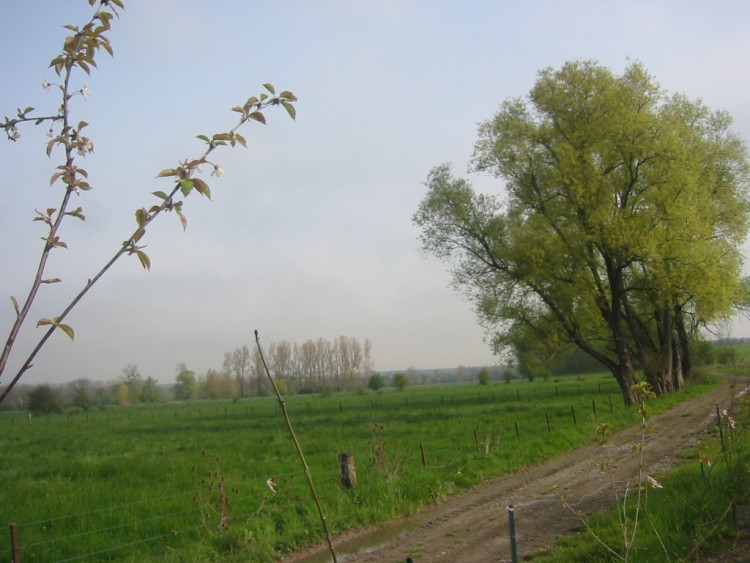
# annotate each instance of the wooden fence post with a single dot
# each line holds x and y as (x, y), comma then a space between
(348, 473)
(14, 547)
(573, 410)
(424, 457)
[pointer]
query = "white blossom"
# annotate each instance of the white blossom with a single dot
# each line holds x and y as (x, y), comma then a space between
(14, 134)
(85, 92)
(217, 171)
(85, 146)
(46, 85)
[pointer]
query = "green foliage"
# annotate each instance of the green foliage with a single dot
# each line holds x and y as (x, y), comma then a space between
(81, 394)
(376, 382)
(621, 230)
(44, 400)
(483, 376)
(400, 381)
(186, 387)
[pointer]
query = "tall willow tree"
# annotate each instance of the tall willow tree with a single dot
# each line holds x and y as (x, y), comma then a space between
(619, 230)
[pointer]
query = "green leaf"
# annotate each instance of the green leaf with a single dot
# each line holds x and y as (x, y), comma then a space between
(67, 330)
(268, 86)
(288, 96)
(203, 138)
(77, 213)
(240, 139)
(51, 280)
(201, 187)
(43, 322)
(222, 137)
(161, 195)
(167, 172)
(186, 186)
(290, 109)
(140, 216)
(182, 217)
(258, 116)
(145, 260)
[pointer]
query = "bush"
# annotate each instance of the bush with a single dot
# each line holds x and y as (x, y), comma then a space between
(400, 381)
(44, 399)
(376, 382)
(484, 376)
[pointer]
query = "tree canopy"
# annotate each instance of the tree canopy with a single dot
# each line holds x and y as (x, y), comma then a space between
(618, 228)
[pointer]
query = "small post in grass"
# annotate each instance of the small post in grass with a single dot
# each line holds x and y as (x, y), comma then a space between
(348, 474)
(573, 412)
(549, 428)
(424, 456)
(15, 549)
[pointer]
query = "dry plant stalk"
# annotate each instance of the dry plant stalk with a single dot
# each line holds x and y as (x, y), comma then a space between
(301, 455)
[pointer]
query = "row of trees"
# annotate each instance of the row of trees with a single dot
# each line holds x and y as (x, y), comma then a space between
(130, 388)
(619, 231)
(341, 364)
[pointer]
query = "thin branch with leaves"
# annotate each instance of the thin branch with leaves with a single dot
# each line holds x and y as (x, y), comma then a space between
(78, 53)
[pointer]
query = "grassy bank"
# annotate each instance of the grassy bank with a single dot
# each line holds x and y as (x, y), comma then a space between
(696, 511)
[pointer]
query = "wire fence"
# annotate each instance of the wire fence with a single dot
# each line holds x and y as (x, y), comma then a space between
(172, 521)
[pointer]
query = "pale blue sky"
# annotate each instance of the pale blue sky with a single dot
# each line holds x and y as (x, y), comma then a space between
(309, 232)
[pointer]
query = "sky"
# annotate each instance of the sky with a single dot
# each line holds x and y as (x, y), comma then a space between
(308, 234)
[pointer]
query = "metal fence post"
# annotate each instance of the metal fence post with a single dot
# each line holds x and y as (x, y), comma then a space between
(512, 526)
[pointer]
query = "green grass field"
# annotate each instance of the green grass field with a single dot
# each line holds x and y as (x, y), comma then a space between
(129, 484)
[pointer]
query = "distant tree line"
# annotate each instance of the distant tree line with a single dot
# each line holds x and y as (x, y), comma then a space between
(314, 366)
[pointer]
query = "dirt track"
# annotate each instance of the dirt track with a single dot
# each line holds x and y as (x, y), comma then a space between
(473, 526)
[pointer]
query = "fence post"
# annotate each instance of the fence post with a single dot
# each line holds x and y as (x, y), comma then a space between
(348, 473)
(424, 457)
(593, 406)
(14, 547)
(512, 527)
(549, 428)
(573, 410)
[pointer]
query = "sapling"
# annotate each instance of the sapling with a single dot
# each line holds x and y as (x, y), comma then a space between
(628, 510)
(68, 138)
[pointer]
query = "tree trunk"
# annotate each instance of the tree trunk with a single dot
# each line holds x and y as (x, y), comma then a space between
(626, 379)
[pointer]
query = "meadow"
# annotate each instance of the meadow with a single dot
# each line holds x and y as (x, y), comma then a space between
(217, 480)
